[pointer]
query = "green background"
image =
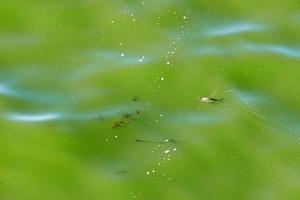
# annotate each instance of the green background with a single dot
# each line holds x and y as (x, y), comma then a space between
(82, 82)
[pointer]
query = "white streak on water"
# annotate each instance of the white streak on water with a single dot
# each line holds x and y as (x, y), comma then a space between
(236, 28)
(32, 117)
(66, 115)
(273, 48)
(31, 95)
(246, 47)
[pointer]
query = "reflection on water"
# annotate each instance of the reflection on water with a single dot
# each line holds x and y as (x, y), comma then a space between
(235, 28)
(246, 47)
(33, 96)
(32, 117)
(103, 61)
(68, 115)
(273, 48)
(198, 118)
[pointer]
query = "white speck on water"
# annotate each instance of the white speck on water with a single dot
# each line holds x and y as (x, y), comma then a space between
(161, 115)
(106, 139)
(122, 54)
(116, 136)
(142, 59)
(158, 163)
(162, 78)
(112, 21)
(153, 171)
(167, 151)
(133, 19)
(121, 43)
(168, 62)
(174, 149)
(147, 173)
(184, 17)
(156, 120)
(166, 140)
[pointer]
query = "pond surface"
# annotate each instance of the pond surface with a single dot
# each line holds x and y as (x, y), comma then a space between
(100, 100)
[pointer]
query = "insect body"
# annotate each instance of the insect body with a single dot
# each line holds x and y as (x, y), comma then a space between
(210, 100)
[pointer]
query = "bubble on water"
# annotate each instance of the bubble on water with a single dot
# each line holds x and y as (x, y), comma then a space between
(116, 136)
(148, 173)
(167, 151)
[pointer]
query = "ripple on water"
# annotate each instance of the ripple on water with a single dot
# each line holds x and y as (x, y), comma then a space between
(32, 117)
(235, 28)
(102, 61)
(107, 113)
(250, 97)
(33, 96)
(245, 47)
(197, 118)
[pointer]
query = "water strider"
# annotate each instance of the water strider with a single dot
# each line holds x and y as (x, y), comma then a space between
(244, 108)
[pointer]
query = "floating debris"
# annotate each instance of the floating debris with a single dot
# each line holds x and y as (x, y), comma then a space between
(135, 98)
(125, 118)
(118, 124)
(126, 115)
(97, 118)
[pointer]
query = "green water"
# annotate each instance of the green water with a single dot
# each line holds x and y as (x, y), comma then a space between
(99, 100)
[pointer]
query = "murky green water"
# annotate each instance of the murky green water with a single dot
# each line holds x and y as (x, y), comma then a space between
(99, 100)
